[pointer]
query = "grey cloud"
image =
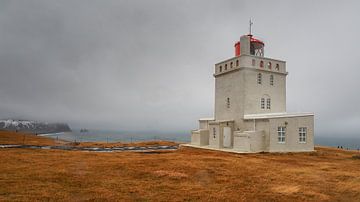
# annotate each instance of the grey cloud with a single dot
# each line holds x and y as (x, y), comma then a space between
(147, 65)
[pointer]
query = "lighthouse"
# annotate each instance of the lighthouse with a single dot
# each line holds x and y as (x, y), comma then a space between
(250, 106)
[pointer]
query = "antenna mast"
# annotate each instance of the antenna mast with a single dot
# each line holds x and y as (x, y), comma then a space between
(250, 24)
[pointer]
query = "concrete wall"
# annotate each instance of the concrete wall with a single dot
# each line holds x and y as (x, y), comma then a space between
(200, 137)
(230, 86)
(215, 140)
(204, 124)
(254, 91)
(292, 134)
(249, 141)
(241, 141)
(240, 85)
(257, 139)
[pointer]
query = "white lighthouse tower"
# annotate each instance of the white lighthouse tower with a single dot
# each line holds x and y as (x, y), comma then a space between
(250, 106)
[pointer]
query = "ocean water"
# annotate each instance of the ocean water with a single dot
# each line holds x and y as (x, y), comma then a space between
(119, 136)
(123, 136)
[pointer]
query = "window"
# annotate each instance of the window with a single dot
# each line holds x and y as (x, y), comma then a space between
(262, 103)
(253, 62)
(281, 134)
(259, 78)
(231, 64)
(277, 67)
(302, 134)
(271, 80)
(220, 69)
(214, 133)
(268, 103)
(225, 67)
(237, 62)
(261, 63)
(228, 102)
(269, 65)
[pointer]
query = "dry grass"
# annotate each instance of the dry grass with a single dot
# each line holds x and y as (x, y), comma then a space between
(9, 137)
(183, 175)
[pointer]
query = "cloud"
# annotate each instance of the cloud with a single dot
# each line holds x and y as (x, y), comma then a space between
(147, 65)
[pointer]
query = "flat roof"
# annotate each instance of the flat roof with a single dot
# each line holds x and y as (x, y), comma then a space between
(275, 115)
(206, 119)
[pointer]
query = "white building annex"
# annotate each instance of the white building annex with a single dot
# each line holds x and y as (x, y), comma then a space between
(250, 106)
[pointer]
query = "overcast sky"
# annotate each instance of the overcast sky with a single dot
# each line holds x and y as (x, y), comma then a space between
(147, 65)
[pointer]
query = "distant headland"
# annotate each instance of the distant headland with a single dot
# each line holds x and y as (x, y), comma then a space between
(33, 126)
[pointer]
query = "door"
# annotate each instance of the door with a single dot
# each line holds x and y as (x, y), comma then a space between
(227, 137)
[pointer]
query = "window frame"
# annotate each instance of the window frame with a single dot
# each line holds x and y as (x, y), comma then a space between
(259, 78)
(271, 80)
(281, 135)
(302, 135)
(268, 103)
(262, 103)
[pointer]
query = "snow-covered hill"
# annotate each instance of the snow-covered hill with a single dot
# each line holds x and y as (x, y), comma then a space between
(33, 126)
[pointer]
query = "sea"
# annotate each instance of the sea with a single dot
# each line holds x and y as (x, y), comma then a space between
(182, 136)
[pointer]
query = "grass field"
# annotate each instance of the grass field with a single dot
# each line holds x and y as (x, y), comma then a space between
(184, 175)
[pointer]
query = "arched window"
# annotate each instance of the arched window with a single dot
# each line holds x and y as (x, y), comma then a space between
(261, 63)
(231, 64)
(225, 67)
(259, 78)
(269, 65)
(237, 62)
(277, 67)
(265, 102)
(271, 80)
(220, 69)
(253, 62)
(268, 103)
(262, 103)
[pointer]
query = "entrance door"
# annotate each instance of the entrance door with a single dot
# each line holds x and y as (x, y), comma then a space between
(227, 137)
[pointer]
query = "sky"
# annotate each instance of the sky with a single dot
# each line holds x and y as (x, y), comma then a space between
(148, 65)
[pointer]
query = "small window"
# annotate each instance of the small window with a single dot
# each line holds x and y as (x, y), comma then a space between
(261, 64)
(237, 62)
(281, 134)
(269, 65)
(259, 78)
(228, 102)
(225, 67)
(302, 134)
(253, 62)
(214, 133)
(277, 67)
(231, 64)
(268, 103)
(271, 80)
(220, 69)
(262, 103)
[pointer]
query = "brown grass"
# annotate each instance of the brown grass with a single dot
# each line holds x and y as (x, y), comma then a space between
(183, 175)
(9, 137)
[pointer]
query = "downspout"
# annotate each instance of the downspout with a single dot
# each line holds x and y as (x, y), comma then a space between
(254, 125)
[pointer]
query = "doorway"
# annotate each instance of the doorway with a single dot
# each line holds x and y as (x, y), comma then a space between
(227, 137)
